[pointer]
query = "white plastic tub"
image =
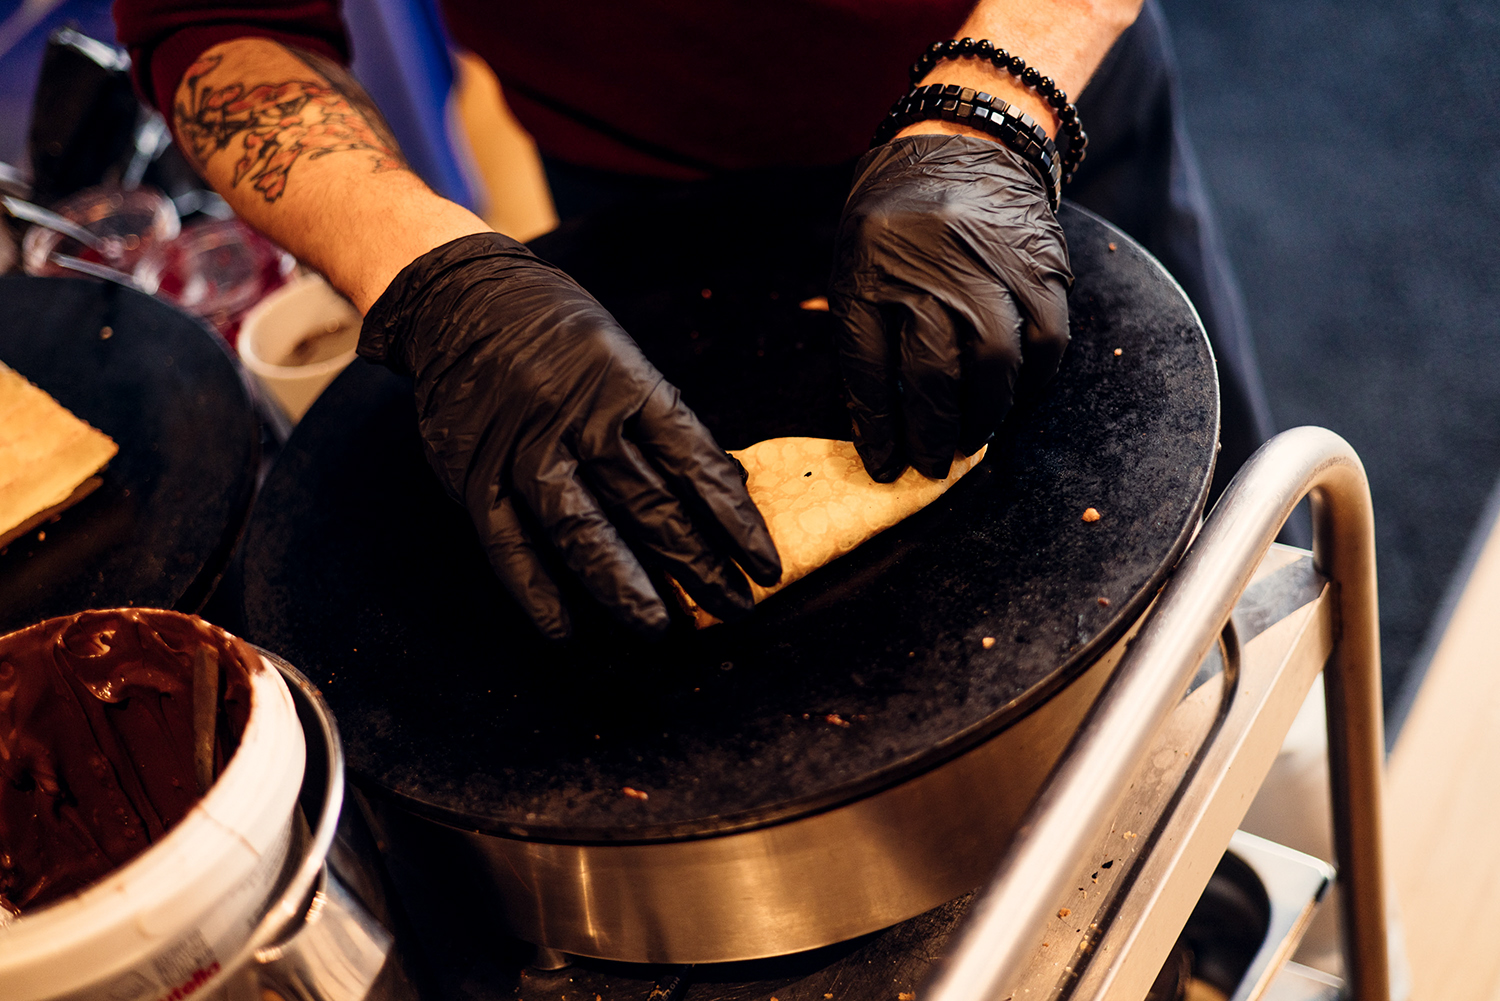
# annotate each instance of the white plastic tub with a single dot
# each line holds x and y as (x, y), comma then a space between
(304, 312)
(162, 926)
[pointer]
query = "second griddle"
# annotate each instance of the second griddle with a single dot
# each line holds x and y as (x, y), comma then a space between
(360, 571)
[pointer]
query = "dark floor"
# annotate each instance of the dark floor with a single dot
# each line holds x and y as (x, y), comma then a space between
(1354, 154)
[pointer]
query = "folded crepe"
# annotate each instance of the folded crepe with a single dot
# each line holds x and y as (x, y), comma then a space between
(819, 504)
(48, 457)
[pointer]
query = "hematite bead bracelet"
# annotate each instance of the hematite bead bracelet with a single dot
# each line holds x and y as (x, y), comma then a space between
(1046, 88)
(1016, 129)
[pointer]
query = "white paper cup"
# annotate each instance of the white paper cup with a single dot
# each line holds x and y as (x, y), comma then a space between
(295, 340)
(164, 923)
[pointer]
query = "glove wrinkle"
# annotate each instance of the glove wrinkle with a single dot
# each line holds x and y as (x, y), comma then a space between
(870, 385)
(662, 530)
(950, 287)
(520, 569)
(709, 481)
(930, 371)
(591, 547)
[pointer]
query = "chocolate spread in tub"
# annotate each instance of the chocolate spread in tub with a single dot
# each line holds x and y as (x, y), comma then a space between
(97, 742)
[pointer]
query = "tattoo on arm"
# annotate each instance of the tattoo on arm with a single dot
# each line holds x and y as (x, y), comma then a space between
(273, 125)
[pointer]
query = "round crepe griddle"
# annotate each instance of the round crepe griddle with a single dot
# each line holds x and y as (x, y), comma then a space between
(359, 569)
(160, 528)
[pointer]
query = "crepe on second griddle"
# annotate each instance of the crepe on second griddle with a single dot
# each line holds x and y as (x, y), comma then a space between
(819, 503)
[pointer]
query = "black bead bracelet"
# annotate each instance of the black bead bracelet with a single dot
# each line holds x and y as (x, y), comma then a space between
(1045, 87)
(1016, 129)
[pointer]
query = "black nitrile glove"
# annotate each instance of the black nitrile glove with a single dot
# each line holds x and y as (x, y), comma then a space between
(541, 415)
(950, 282)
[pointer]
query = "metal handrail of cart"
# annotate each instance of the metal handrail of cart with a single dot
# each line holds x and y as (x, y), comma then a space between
(1009, 918)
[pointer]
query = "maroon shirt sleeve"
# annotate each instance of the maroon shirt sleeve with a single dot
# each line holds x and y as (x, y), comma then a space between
(165, 36)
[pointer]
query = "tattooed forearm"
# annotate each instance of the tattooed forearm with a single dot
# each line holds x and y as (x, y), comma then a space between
(268, 127)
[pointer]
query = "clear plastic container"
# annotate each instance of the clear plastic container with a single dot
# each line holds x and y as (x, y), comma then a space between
(215, 270)
(128, 223)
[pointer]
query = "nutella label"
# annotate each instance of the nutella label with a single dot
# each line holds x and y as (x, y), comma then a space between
(186, 966)
(179, 971)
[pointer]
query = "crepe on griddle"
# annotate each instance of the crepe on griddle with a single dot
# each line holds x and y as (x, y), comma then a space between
(819, 503)
(48, 458)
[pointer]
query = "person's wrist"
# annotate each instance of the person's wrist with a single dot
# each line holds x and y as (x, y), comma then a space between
(986, 78)
(1054, 162)
(938, 127)
(375, 246)
(413, 309)
(424, 224)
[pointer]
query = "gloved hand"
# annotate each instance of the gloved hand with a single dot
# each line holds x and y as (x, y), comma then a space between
(950, 282)
(544, 419)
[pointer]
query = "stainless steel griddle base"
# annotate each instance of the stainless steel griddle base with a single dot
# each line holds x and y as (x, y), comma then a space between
(836, 875)
(1283, 625)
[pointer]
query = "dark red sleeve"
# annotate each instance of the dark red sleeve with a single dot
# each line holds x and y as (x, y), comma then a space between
(165, 36)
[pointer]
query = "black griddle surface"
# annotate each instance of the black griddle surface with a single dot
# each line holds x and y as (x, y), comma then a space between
(160, 528)
(362, 573)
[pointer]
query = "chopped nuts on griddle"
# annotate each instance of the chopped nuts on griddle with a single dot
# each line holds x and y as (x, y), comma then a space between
(635, 793)
(1091, 514)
